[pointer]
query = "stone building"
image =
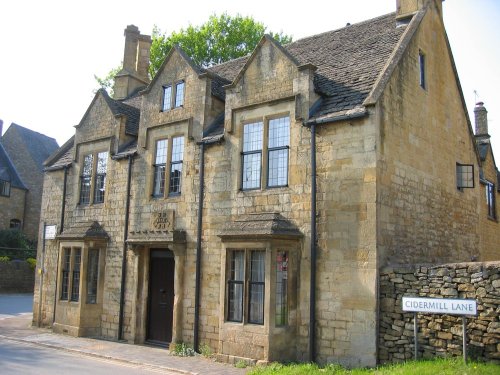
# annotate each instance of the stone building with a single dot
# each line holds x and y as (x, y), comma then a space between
(249, 206)
(23, 152)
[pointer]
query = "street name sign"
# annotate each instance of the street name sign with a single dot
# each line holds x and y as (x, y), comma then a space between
(440, 305)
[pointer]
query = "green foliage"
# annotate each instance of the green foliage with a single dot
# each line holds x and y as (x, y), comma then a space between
(220, 39)
(14, 244)
(107, 82)
(31, 262)
(451, 366)
(4, 259)
(206, 351)
(183, 350)
(241, 364)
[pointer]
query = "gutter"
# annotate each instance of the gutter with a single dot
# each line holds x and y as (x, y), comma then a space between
(124, 252)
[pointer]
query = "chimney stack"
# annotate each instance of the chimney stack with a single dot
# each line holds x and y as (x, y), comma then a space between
(134, 73)
(481, 121)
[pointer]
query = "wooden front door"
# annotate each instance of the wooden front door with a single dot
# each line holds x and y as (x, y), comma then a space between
(161, 296)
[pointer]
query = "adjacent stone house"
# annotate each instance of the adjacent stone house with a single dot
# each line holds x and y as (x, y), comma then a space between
(250, 206)
(21, 177)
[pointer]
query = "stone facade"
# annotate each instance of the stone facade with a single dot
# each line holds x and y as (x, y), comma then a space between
(27, 151)
(385, 192)
(440, 335)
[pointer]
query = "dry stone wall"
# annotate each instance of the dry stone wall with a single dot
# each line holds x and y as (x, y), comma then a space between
(440, 335)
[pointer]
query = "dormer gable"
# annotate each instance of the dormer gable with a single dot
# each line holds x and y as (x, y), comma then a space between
(107, 119)
(173, 56)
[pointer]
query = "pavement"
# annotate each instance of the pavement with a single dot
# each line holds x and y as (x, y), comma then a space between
(15, 325)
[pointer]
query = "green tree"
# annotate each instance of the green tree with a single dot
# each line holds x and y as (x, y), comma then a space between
(107, 82)
(220, 39)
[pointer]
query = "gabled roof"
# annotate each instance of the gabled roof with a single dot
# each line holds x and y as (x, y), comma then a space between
(121, 109)
(38, 145)
(8, 171)
(118, 108)
(348, 61)
(62, 157)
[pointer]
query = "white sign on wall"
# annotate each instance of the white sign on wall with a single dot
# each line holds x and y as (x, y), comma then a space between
(50, 232)
(440, 305)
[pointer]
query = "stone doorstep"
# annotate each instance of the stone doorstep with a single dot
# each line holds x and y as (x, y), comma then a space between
(97, 355)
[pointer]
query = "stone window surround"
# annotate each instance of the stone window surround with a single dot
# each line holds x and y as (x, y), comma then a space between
(173, 100)
(94, 174)
(264, 150)
(168, 164)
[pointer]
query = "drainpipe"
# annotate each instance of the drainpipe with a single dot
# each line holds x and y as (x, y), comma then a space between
(312, 291)
(64, 199)
(198, 249)
(61, 227)
(124, 253)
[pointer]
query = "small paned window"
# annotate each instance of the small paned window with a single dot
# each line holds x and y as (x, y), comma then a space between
(279, 139)
(465, 176)
(281, 318)
(66, 263)
(92, 275)
(421, 60)
(490, 200)
(4, 188)
(75, 278)
(246, 282)
(86, 179)
(159, 167)
(100, 179)
(167, 98)
(235, 286)
(176, 165)
(256, 287)
(179, 94)
(15, 224)
(252, 155)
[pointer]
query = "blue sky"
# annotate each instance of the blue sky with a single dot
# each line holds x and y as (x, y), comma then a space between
(51, 49)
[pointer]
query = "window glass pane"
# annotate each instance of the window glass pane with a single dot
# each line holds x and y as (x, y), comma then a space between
(159, 167)
(4, 188)
(465, 176)
(75, 281)
(86, 179)
(167, 98)
(251, 171)
(100, 181)
(252, 137)
(15, 224)
(92, 275)
(177, 148)
(278, 167)
(161, 151)
(490, 199)
(256, 287)
(176, 165)
(279, 132)
(281, 288)
(179, 94)
(235, 286)
(65, 273)
(421, 58)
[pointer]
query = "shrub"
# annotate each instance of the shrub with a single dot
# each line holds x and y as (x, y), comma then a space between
(183, 350)
(4, 259)
(206, 351)
(31, 262)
